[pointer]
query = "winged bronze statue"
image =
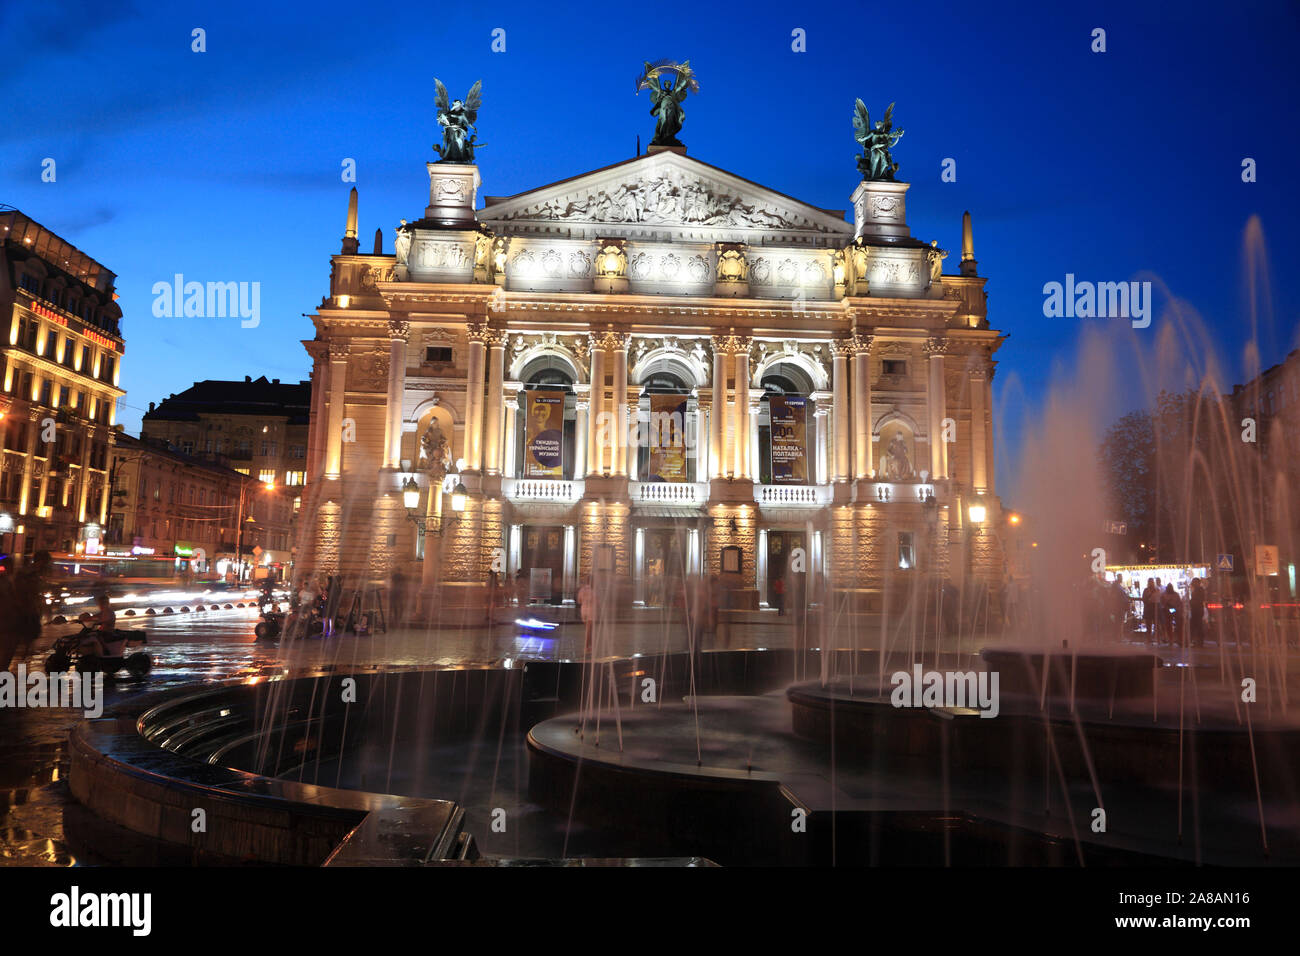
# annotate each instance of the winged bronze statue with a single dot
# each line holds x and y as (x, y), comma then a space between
(666, 99)
(876, 162)
(457, 118)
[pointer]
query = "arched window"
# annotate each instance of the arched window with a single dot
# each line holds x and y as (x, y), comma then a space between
(665, 427)
(787, 405)
(547, 405)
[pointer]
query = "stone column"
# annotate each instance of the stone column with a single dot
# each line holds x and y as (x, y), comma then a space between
(717, 419)
(935, 349)
(632, 422)
(338, 382)
(863, 464)
(595, 454)
(822, 416)
(840, 350)
(492, 458)
(570, 585)
(316, 421)
(399, 330)
(702, 460)
(618, 347)
(104, 488)
(83, 493)
(510, 467)
(478, 335)
(751, 437)
(978, 454)
(580, 438)
(741, 347)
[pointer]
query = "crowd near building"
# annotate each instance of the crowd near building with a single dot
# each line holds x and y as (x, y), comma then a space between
(62, 349)
(657, 369)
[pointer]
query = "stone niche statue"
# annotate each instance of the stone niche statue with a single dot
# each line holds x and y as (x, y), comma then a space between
(666, 97)
(457, 118)
(436, 451)
(876, 162)
(898, 465)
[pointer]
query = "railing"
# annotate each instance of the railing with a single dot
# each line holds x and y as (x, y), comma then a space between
(669, 492)
(796, 495)
(540, 489)
(887, 491)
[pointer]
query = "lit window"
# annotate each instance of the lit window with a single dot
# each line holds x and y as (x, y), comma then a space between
(266, 475)
(906, 551)
(295, 478)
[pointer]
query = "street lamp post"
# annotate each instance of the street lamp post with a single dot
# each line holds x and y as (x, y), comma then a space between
(431, 523)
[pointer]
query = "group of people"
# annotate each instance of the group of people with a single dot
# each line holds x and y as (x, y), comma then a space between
(1168, 618)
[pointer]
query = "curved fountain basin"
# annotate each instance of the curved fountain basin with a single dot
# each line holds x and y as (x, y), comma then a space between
(890, 782)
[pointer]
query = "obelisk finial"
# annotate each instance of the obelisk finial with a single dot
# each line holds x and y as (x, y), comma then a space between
(350, 233)
(968, 265)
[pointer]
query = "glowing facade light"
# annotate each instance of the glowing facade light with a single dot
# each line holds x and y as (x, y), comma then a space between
(977, 514)
(411, 494)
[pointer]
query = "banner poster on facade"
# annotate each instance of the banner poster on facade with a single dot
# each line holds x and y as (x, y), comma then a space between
(788, 415)
(544, 438)
(667, 439)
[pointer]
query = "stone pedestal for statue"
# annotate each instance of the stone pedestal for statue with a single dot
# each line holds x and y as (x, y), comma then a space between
(453, 192)
(880, 211)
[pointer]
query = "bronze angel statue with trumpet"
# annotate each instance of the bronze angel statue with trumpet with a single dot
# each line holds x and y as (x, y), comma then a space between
(876, 163)
(456, 117)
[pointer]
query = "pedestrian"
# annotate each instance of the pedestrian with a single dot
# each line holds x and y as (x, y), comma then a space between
(8, 611)
(1170, 608)
(1197, 622)
(1149, 602)
(28, 604)
(397, 597)
(326, 610)
(778, 595)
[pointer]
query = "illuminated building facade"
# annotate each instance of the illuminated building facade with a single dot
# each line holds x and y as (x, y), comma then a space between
(62, 351)
(657, 369)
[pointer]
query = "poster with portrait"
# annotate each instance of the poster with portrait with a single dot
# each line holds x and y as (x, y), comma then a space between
(789, 445)
(544, 435)
(667, 439)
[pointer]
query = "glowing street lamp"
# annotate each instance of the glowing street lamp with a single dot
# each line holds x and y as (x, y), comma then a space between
(977, 513)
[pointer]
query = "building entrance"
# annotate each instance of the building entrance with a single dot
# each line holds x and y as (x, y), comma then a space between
(542, 561)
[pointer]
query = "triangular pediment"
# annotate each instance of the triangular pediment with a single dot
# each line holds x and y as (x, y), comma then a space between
(664, 194)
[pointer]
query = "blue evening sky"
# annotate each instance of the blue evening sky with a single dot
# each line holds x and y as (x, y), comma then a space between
(225, 165)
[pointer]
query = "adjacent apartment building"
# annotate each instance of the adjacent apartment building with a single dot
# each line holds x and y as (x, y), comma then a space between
(62, 351)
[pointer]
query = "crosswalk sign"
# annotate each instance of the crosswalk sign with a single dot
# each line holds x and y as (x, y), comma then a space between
(1224, 562)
